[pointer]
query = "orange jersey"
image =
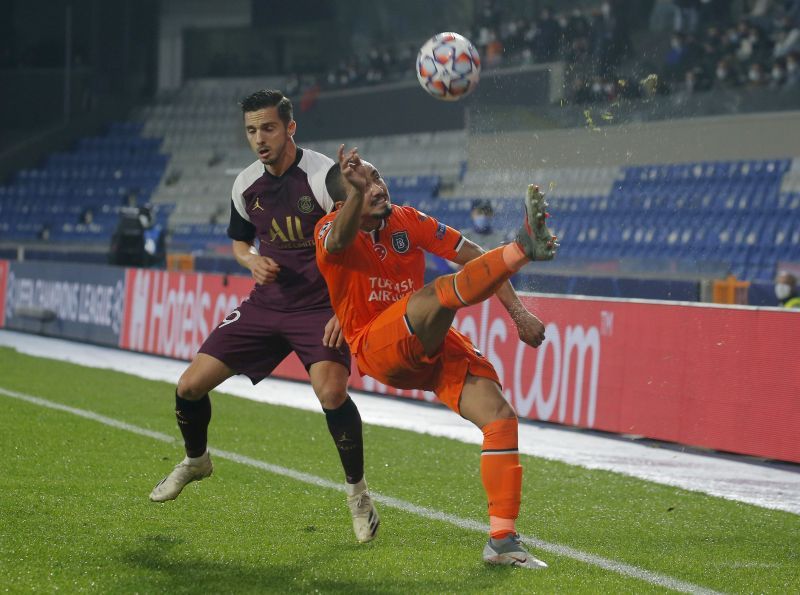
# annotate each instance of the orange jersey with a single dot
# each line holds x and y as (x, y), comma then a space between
(382, 266)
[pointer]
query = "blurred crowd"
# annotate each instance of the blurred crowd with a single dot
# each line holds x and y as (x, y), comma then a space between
(599, 34)
(761, 49)
(693, 45)
(711, 47)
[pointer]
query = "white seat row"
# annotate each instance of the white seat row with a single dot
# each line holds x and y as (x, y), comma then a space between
(201, 130)
(498, 183)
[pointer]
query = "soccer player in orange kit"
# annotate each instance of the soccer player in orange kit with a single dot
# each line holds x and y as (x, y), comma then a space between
(371, 255)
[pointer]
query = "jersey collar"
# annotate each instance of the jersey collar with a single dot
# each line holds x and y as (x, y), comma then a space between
(375, 233)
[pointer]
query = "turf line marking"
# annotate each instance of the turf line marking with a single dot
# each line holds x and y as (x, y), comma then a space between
(622, 568)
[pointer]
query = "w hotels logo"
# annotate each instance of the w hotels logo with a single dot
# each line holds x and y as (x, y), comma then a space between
(569, 362)
(556, 382)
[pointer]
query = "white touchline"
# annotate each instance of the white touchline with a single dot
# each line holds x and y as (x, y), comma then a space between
(648, 576)
(770, 486)
(767, 486)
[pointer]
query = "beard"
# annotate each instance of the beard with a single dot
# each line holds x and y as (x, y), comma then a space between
(273, 159)
(275, 155)
(384, 214)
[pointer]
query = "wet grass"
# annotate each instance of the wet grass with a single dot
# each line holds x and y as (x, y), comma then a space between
(74, 513)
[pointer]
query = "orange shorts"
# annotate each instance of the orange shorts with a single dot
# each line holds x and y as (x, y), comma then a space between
(388, 351)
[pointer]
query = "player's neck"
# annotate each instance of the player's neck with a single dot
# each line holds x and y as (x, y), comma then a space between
(278, 168)
(370, 224)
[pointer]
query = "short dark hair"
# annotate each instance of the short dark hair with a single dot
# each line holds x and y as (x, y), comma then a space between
(269, 98)
(334, 181)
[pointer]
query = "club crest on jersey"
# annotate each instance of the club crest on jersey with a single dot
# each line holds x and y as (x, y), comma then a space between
(400, 242)
(380, 250)
(305, 204)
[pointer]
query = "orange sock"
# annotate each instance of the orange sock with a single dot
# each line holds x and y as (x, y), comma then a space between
(501, 474)
(477, 281)
(514, 256)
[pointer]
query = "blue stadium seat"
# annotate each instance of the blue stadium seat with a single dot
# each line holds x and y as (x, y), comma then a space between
(97, 174)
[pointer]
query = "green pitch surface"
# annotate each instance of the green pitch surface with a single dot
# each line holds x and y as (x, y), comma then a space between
(75, 514)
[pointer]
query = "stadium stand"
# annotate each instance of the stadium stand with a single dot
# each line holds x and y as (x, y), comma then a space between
(201, 128)
(76, 197)
(692, 219)
(684, 219)
(739, 216)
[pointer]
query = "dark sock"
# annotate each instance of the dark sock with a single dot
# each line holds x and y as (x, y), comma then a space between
(344, 425)
(193, 419)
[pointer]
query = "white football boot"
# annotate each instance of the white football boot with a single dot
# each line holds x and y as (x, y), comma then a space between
(187, 471)
(365, 516)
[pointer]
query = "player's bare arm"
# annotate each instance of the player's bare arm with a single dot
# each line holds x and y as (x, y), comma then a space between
(347, 223)
(263, 268)
(529, 327)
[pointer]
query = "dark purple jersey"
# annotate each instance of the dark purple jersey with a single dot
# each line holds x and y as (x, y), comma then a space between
(282, 212)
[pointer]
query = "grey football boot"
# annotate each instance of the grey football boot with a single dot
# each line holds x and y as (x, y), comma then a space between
(509, 551)
(536, 240)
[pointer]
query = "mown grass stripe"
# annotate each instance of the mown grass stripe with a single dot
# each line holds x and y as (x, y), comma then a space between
(622, 568)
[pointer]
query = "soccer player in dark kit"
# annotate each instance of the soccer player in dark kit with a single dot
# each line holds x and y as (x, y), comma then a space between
(277, 199)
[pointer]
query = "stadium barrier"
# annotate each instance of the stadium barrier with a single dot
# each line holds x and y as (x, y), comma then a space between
(87, 300)
(711, 376)
(171, 313)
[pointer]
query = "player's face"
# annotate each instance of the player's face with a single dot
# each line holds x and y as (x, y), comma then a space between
(379, 205)
(268, 136)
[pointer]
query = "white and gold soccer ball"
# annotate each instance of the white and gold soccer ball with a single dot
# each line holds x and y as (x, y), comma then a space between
(448, 66)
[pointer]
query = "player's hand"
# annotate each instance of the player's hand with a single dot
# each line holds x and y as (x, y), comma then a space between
(333, 337)
(529, 327)
(353, 169)
(264, 269)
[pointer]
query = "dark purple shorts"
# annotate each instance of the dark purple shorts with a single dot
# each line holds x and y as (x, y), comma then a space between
(253, 340)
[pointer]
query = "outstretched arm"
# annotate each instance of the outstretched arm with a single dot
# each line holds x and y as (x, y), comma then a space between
(529, 327)
(345, 226)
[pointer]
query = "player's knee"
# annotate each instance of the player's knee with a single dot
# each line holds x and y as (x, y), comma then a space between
(443, 290)
(188, 389)
(426, 305)
(428, 290)
(502, 410)
(331, 397)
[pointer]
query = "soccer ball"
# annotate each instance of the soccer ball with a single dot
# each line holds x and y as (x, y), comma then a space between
(448, 66)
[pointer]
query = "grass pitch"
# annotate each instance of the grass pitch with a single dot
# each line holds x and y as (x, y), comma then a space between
(74, 512)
